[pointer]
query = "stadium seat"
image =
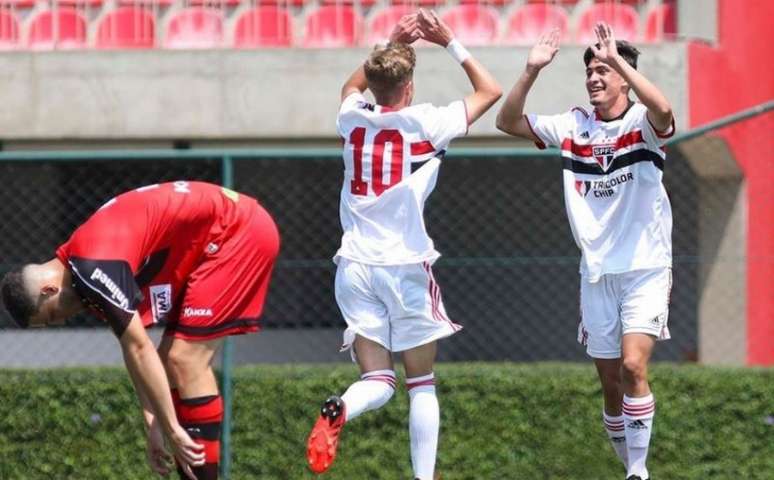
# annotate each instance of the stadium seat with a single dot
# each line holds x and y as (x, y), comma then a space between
(362, 3)
(473, 25)
(496, 3)
(17, 3)
(9, 30)
(633, 3)
(213, 3)
(333, 26)
(661, 23)
(267, 26)
(530, 21)
(282, 3)
(63, 28)
(381, 25)
(418, 3)
(78, 3)
(195, 27)
(623, 19)
(563, 2)
(145, 3)
(126, 27)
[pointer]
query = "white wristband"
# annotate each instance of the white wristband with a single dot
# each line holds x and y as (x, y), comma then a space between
(457, 51)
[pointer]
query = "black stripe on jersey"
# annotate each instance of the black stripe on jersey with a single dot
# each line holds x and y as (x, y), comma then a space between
(220, 327)
(636, 156)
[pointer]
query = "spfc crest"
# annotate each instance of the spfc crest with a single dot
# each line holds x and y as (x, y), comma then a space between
(604, 155)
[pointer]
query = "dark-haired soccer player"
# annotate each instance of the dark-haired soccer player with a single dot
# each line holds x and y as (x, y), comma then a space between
(193, 255)
(621, 220)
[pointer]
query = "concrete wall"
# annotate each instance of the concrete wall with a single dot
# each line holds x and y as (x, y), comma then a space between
(255, 95)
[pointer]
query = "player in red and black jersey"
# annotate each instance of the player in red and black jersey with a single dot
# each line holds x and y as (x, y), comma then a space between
(191, 255)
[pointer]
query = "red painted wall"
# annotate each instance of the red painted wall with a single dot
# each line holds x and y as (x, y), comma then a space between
(737, 74)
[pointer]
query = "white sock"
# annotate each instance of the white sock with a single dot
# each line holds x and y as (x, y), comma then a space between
(638, 417)
(424, 423)
(614, 426)
(374, 389)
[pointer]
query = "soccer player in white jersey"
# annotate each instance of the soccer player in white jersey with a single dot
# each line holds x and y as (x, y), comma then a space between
(621, 220)
(384, 282)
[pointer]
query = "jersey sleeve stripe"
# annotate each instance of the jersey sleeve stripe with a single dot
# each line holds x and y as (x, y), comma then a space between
(422, 148)
(539, 143)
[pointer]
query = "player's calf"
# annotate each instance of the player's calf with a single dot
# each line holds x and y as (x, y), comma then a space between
(424, 423)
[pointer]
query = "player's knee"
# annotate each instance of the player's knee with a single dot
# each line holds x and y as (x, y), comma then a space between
(634, 369)
(181, 366)
(382, 383)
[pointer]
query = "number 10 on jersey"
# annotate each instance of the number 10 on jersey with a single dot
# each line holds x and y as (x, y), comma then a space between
(382, 138)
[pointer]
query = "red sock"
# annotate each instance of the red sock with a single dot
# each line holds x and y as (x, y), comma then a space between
(202, 418)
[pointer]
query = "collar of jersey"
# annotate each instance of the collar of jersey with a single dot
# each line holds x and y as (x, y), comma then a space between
(619, 117)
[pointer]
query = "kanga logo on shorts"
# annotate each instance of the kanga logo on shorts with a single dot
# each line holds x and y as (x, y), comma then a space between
(604, 154)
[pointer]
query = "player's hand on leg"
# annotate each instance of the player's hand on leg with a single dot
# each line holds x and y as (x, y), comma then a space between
(544, 50)
(406, 31)
(188, 453)
(159, 458)
(433, 29)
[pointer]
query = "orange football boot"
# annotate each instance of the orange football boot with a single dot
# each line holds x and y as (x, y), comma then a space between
(324, 439)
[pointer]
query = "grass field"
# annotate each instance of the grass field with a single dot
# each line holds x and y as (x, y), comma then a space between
(499, 421)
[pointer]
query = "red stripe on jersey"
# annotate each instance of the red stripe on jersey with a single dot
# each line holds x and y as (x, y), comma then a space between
(421, 148)
(625, 140)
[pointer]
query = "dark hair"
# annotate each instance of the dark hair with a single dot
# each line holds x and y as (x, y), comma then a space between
(625, 50)
(16, 300)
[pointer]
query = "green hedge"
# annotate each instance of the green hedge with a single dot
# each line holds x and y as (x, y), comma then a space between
(499, 421)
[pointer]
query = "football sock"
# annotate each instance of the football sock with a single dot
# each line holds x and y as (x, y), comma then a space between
(614, 426)
(638, 418)
(424, 422)
(374, 389)
(202, 417)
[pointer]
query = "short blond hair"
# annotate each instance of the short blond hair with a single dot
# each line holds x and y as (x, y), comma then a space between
(389, 67)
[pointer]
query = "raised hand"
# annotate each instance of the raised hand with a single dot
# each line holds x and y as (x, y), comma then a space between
(544, 50)
(433, 29)
(406, 31)
(607, 50)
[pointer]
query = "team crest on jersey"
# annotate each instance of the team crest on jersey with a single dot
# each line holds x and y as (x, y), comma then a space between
(161, 301)
(583, 187)
(604, 155)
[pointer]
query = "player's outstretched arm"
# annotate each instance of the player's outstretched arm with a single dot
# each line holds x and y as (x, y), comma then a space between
(659, 109)
(147, 371)
(486, 89)
(511, 119)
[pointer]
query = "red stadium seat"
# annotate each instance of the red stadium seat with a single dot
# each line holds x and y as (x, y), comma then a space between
(333, 26)
(9, 30)
(497, 3)
(195, 28)
(530, 21)
(145, 3)
(633, 3)
(362, 3)
(381, 25)
(418, 3)
(563, 2)
(282, 3)
(661, 23)
(78, 3)
(267, 26)
(622, 18)
(473, 25)
(63, 28)
(213, 3)
(17, 3)
(127, 27)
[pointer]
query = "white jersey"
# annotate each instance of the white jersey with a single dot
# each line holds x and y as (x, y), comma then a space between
(618, 208)
(382, 201)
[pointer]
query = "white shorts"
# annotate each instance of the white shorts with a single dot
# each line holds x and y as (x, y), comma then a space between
(622, 303)
(397, 306)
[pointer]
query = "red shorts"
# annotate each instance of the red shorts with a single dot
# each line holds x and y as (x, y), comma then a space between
(225, 292)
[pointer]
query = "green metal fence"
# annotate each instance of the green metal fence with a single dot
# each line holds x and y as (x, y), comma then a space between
(509, 270)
